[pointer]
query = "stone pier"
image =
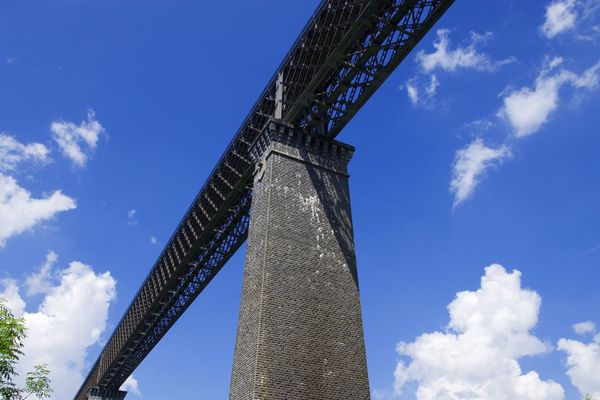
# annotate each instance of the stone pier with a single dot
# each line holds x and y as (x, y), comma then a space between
(300, 333)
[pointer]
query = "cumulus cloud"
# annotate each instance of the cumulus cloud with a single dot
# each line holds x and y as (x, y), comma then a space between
(153, 240)
(77, 141)
(131, 385)
(446, 58)
(527, 109)
(20, 212)
(584, 327)
(13, 152)
(68, 321)
(470, 164)
(560, 17)
(583, 364)
(477, 356)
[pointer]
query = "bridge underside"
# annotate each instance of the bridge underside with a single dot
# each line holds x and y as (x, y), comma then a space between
(345, 52)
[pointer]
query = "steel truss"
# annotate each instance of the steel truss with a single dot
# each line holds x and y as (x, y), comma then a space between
(344, 53)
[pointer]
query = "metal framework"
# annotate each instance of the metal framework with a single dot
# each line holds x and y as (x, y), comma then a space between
(344, 53)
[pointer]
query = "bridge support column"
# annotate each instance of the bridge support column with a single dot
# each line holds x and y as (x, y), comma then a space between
(97, 393)
(300, 333)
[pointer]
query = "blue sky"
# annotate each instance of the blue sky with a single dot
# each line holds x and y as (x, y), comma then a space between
(481, 150)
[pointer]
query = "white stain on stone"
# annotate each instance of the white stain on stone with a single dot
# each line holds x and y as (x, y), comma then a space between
(282, 188)
(320, 235)
(311, 203)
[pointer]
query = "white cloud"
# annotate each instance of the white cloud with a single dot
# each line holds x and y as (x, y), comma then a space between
(39, 282)
(576, 18)
(131, 385)
(10, 293)
(584, 327)
(560, 17)
(478, 126)
(476, 357)
(589, 79)
(69, 320)
(527, 109)
(583, 364)
(72, 138)
(153, 240)
(413, 93)
(20, 212)
(422, 95)
(131, 220)
(448, 59)
(13, 152)
(470, 165)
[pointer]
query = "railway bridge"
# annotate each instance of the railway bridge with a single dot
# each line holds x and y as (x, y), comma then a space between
(282, 184)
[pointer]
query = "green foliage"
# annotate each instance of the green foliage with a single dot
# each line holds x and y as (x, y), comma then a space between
(38, 383)
(12, 335)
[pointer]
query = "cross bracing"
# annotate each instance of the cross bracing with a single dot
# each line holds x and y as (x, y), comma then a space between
(344, 53)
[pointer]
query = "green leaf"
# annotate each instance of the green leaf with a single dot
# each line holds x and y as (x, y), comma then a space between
(12, 335)
(38, 383)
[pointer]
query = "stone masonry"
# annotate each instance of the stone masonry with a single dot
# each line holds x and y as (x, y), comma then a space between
(300, 333)
(105, 394)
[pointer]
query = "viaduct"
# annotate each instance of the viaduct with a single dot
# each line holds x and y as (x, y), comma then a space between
(282, 184)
